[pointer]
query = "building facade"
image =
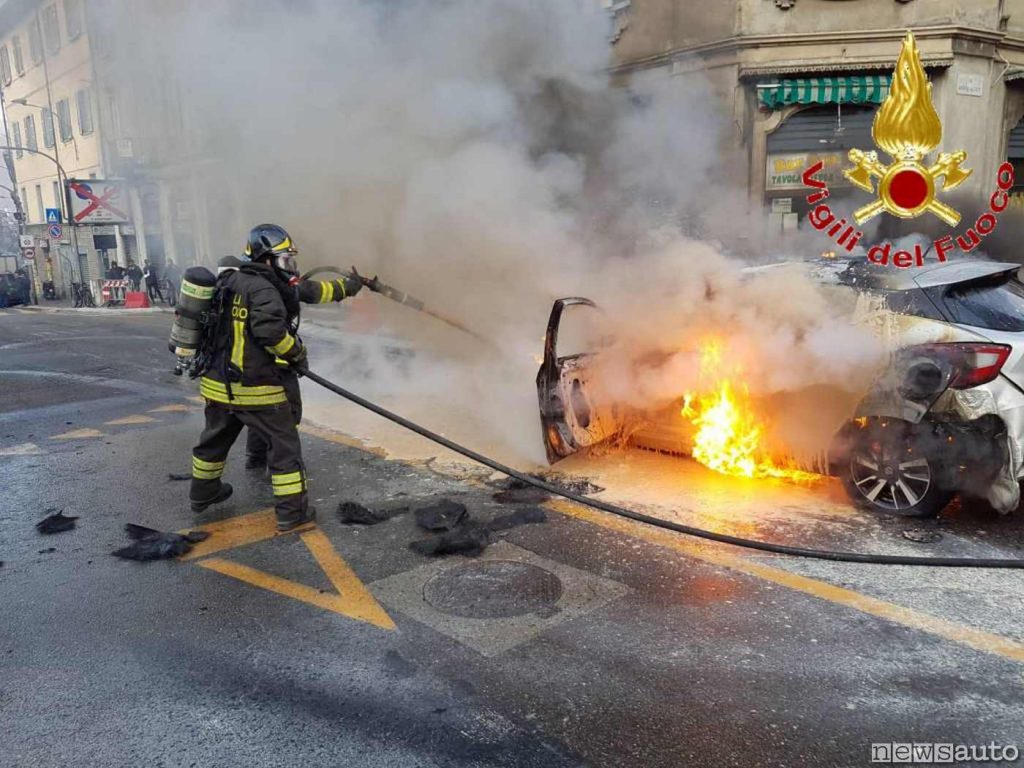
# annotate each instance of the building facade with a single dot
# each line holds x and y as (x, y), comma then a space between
(46, 76)
(802, 79)
(66, 109)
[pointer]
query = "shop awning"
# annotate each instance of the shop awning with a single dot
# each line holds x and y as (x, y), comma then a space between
(853, 89)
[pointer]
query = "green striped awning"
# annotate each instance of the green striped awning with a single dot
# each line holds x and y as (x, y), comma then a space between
(856, 89)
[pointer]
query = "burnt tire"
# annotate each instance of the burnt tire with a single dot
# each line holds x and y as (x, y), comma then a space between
(887, 470)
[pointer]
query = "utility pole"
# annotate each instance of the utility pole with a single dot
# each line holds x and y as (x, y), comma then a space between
(19, 211)
(76, 268)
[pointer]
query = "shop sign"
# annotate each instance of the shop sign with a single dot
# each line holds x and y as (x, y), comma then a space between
(785, 170)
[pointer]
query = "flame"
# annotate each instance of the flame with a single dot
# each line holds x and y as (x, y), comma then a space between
(729, 432)
(907, 125)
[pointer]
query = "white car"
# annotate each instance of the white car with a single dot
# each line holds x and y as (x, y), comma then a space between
(946, 417)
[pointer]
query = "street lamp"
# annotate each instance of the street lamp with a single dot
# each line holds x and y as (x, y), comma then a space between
(60, 173)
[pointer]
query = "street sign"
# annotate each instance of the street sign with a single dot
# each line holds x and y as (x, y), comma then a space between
(56, 231)
(53, 216)
(98, 202)
(27, 241)
(28, 254)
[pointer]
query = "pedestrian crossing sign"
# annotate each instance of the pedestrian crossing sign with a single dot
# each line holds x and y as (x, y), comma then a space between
(53, 216)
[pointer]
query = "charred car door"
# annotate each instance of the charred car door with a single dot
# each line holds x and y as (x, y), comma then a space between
(572, 414)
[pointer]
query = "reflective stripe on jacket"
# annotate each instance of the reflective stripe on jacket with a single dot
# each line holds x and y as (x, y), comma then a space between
(321, 291)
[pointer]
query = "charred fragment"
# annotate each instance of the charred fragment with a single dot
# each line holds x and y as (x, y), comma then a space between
(151, 544)
(56, 523)
(349, 512)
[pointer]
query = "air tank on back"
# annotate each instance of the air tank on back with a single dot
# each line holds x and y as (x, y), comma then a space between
(194, 300)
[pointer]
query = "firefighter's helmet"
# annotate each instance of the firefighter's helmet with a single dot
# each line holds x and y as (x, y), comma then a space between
(273, 243)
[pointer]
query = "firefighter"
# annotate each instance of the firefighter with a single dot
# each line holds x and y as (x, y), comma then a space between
(307, 292)
(254, 360)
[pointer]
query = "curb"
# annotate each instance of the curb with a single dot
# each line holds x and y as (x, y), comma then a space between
(102, 310)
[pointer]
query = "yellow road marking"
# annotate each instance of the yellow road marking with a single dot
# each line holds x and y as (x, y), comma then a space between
(288, 588)
(237, 532)
(340, 439)
(22, 449)
(353, 599)
(173, 408)
(139, 419)
(358, 602)
(76, 434)
(975, 638)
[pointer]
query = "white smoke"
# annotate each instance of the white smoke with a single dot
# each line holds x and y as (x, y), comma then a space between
(475, 154)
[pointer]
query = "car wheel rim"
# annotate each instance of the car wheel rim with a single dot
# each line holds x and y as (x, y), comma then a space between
(890, 481)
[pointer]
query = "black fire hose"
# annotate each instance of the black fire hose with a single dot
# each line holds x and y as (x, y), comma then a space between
(763, 546)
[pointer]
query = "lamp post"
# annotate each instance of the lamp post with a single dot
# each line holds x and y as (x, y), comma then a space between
(61, 201)
(60, 173)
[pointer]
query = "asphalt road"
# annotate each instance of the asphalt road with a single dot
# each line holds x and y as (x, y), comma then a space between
(584, 640)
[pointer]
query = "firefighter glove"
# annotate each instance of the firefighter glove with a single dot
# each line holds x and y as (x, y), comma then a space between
(299, 360)
(352, 284)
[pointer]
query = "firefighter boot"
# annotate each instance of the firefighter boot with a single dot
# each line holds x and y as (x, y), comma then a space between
(222, 494)
(293, 521)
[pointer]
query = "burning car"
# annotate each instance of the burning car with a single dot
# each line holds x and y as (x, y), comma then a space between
(945, 415)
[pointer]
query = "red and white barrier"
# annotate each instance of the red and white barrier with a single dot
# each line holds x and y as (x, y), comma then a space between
(114, 291)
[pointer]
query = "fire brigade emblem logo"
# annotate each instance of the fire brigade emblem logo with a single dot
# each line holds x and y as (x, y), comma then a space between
(907, 128)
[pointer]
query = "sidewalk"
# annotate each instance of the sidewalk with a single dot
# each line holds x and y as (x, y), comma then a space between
(67, 305)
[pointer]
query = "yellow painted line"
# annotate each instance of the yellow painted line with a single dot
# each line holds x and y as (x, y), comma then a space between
(237, 532)
(22, 449)
(138, 419)
(329, 602)
(77, 434)
(359, 603)
(173, 408)
(949, 630)
(341, 439)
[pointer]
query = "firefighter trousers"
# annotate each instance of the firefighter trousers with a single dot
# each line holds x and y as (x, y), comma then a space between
(256, 448)
(276, 426)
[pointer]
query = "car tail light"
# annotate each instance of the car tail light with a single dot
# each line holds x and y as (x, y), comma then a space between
(972, 363)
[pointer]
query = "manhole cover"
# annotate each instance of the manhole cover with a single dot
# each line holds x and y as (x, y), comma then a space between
(494, 589)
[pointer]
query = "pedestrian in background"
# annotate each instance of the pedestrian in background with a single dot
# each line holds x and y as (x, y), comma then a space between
(152, 278)
(173, 275)
(134, 275)
(115, 272)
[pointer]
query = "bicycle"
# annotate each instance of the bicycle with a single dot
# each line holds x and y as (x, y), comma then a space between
(82, 295)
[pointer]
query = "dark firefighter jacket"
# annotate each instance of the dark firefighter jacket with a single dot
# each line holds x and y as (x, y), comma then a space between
(254, 337)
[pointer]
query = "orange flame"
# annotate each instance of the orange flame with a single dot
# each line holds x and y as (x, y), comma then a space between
(728, 437)
(907, 126)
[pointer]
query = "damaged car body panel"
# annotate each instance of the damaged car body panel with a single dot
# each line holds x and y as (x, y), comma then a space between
(572, 414)
(946, 415)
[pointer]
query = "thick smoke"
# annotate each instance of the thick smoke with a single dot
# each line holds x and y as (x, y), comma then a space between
(474, 153)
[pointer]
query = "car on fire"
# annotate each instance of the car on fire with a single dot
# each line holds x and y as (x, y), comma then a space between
(945, 417)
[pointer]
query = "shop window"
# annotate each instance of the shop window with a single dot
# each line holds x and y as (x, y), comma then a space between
(30, 133)
(48, 138)
(35, 41)
(84, 103)
(51, 29)
(64, 119)
(19, 60)
(16, 135)
(5, 65)
(73, 18)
